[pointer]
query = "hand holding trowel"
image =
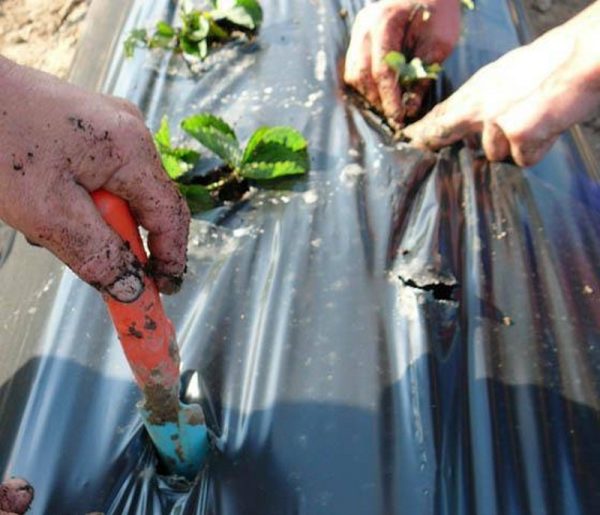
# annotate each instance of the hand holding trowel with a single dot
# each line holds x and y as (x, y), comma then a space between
(148, 339)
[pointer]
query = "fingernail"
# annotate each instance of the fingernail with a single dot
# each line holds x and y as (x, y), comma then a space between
(169, 284)
(126, 288)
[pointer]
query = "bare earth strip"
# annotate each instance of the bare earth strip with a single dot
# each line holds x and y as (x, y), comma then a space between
(41, 33)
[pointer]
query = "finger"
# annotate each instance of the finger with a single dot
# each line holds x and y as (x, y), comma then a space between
(530, 135)
(159, 207)
(16, 496)
(442, 126)
(432, 36)
(122, 104)
(387, 37)
(77, 235)
(357, 72)
(494, 142)
(530, 153)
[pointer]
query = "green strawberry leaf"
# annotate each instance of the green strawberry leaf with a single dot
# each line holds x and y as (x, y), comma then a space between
(215, 135)
(246, 14)
(275, 152)
(136, 38)
(198, 197)
(395, 60)
(266, 170)
(200, 33)
(195, 26)
(163, 136)
(164, 29)
(408, 73)
(172, 165)
(163, 36)
(189, 47)
(176, 160)
(186, 155)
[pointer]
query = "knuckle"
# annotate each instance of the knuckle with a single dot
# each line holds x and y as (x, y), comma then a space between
(132, 139)
(521, 159)
(125, 105)
(130, 125)
(518, 137)
(528, 154)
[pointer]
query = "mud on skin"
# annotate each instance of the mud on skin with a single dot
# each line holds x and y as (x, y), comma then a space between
(65, 142)
(16, 496)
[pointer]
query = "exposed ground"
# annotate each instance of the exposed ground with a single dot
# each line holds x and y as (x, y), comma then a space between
(44, 34)
(41, 33)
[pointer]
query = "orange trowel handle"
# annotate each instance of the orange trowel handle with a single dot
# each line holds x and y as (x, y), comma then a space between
(146, 334)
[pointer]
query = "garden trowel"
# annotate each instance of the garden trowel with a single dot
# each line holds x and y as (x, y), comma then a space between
(147, 336)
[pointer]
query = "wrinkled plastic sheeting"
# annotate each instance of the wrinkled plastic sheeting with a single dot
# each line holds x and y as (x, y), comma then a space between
(395, 333)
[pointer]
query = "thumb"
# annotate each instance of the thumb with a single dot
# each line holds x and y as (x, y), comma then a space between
(75, 232)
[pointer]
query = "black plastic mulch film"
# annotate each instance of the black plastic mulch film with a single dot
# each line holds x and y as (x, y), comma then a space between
(393, 334)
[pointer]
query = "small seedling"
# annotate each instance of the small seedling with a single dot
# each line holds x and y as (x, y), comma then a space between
(410, 72)
(270, 153)
(200, 29)
(468, 4)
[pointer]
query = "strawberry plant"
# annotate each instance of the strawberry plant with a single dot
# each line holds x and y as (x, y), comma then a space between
(410, 72)
(200, 29)
(270, 153)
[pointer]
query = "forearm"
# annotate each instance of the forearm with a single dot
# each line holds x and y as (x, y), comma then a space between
(572, 88)
(585, 28)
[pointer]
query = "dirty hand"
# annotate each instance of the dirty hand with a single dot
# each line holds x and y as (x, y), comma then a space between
(15, 496)
(427, 29)
(522, 102)
(57, 144)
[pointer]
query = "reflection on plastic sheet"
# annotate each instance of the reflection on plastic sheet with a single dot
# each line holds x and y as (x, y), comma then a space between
(396, 333)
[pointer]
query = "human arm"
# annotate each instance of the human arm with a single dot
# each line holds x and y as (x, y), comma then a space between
(427, 29)
(58, 143)
(522, 102)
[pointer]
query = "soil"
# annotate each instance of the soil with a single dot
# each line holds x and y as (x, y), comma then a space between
(42, 33)
(232, 188)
